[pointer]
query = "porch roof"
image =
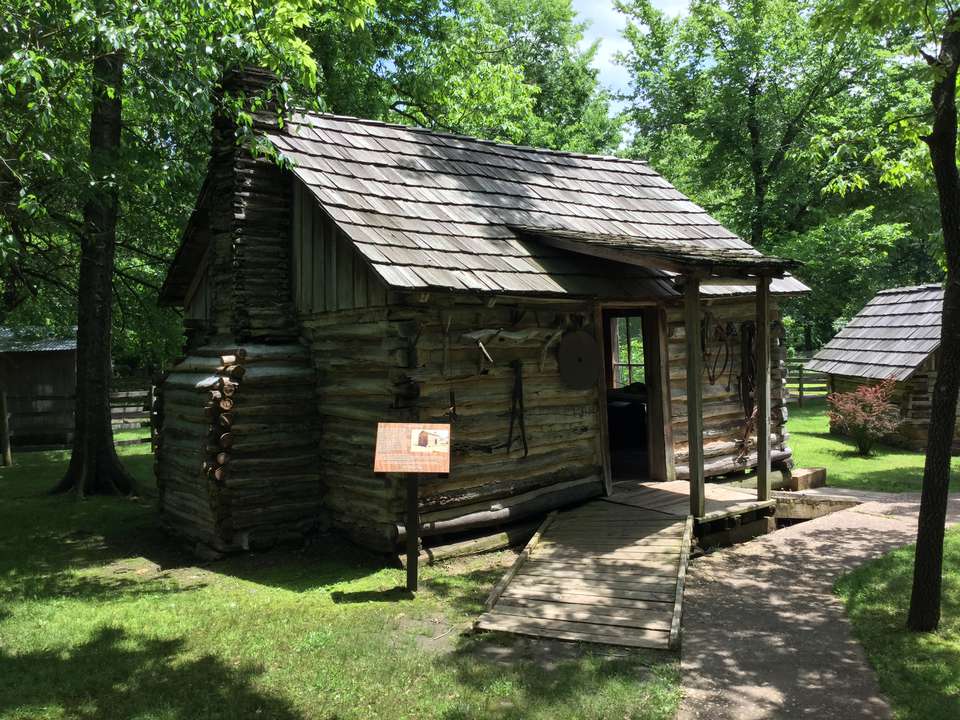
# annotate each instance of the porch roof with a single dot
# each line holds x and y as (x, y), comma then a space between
(670, 255)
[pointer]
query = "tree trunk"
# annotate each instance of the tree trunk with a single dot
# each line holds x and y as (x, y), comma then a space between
(94, 466)
(924, 612)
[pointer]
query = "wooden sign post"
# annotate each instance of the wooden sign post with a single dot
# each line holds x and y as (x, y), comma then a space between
(7, 454)
(412, 450)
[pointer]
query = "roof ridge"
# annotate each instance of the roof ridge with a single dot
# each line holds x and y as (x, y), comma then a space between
(911, 288)
(471, 138)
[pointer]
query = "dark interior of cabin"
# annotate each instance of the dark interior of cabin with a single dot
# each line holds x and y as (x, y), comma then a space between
(627, 396)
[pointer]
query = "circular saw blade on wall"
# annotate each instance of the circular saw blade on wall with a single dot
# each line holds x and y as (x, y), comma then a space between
(579, 358)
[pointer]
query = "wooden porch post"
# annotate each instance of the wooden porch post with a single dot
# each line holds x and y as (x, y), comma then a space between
(656, 362)
(762, 399)
(691, 318)
(602, 385)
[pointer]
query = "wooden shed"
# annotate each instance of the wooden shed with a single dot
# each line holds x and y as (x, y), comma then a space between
(390, 273)
(896, 335)
(38, 372)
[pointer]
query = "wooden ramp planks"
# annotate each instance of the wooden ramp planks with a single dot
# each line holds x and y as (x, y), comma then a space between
(604, 573)
(672, 499)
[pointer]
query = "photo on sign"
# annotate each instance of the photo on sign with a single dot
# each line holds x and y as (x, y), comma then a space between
(430, 441)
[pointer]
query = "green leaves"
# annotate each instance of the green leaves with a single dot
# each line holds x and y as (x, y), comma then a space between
(501, 69)
(174, 53)
(495, 68)
(793, 136)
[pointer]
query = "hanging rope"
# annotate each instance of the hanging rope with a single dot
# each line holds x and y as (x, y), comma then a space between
(748, 366)
(747, 385)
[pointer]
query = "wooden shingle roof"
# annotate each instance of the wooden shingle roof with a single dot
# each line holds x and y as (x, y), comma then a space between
(433, 210)
(35, 339)
(890, 338)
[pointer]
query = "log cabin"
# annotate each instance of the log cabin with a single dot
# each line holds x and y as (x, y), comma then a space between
(38, 373)
(383, 272)
(895, 336)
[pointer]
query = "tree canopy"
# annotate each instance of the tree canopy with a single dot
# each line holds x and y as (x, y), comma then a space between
(795, 138)
(513, 71)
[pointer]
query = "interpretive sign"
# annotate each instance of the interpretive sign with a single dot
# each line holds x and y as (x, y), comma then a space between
(412, 448)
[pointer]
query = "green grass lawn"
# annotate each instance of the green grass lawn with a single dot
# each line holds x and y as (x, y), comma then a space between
(889, 469)
(919, 673)
(103, 616)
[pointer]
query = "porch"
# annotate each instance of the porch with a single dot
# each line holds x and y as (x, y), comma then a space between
(721, 501)
(612, 570)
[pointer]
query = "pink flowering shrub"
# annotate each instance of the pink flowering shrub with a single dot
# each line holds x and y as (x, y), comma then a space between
(866, 414)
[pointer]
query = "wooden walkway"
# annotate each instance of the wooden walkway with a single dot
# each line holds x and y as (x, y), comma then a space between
(673, 498)
(605, 572)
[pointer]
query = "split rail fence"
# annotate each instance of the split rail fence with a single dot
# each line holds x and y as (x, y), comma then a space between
(803, 384)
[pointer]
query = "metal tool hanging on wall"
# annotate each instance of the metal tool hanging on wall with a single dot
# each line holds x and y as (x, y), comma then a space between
(486, 338)
(717, 360)
(517, 409)
(747, 383)
(579, 358)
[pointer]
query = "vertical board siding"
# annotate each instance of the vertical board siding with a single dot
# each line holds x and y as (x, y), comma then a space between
(199, 305)
(40, 390)
(329, 275)
(296, 243)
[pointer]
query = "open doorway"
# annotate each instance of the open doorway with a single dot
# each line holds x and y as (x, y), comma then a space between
(636, 423)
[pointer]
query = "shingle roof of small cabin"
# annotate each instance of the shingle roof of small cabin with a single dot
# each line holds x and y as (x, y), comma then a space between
(34, 339)
(434, 210)
(890, 338)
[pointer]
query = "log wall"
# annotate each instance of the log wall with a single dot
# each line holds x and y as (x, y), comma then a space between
(237, 461)
(246, 214)
(296, 350)
(411, 362)
(723, 411)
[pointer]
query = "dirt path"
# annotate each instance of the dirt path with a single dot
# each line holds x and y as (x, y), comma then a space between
(763, 634)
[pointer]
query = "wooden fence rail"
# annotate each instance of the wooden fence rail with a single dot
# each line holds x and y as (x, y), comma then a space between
(805, 384)
(48, 419)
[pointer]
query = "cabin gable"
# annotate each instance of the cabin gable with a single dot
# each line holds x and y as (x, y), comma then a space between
(328, 274)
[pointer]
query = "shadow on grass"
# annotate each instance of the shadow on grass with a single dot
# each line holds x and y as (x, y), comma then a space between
(119, 675)
(48, 540)
(465, 592)
(397, 594)
(327, 560)
(921, 672)
(518, 676)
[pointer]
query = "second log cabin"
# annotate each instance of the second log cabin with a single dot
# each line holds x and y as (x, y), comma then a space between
(388, 273)
(896, 336)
